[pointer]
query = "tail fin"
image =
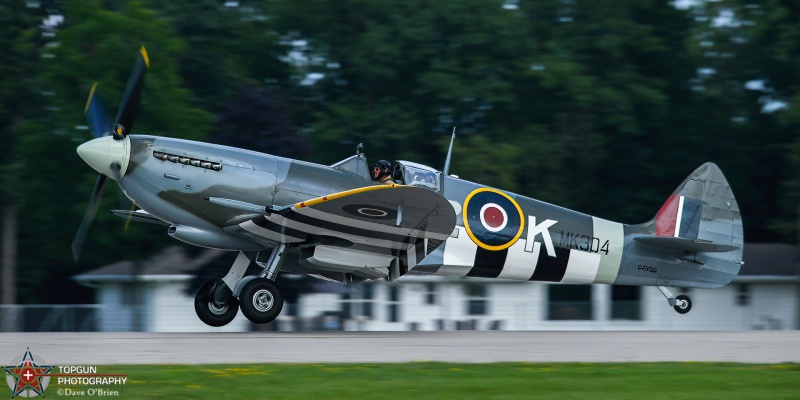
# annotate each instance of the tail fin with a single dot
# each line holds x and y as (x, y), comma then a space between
(701, 216)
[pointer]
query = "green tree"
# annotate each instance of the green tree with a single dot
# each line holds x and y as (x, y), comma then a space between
(776, 49)
(399, 76)
(94, 44)
(257, 120)
(749, 84)
(229, 45)
(585, 94)
(20, 37)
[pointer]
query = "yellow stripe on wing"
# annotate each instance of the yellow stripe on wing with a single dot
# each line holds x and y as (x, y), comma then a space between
(312, 202)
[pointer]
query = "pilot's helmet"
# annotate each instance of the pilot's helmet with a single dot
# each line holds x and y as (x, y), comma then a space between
(380, 169)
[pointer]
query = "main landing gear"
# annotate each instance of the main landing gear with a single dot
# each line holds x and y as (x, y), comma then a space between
(213, 310)
(259, 298)
(682, 303)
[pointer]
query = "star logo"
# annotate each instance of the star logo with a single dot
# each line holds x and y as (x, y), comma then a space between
(29, 378)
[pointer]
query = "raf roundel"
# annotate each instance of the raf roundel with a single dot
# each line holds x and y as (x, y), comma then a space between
(493, 219)
(370, 212)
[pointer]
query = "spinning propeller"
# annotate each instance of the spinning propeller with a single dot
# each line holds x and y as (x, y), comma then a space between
(108, 152)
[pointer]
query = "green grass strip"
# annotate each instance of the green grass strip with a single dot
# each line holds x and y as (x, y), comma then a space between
(429, 380)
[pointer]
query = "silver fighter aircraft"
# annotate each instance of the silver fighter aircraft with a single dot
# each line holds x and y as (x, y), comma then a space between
(335, 223)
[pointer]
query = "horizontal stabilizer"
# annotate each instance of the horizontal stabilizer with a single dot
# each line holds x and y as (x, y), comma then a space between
(683, 244)
(138, 215)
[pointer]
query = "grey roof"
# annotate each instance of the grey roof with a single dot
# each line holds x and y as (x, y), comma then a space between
(172, 261)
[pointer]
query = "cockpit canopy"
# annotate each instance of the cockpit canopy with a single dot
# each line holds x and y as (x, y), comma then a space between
(413, 174)
(403, 172)
(356, 164)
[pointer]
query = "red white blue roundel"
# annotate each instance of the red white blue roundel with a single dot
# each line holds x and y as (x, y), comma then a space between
(493, 219)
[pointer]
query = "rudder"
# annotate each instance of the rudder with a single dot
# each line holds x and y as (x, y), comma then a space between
(701, 217)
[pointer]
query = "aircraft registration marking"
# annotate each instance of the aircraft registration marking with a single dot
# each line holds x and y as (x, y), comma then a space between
(591, 244)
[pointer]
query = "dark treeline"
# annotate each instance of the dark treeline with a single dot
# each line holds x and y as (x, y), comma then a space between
(601, 106)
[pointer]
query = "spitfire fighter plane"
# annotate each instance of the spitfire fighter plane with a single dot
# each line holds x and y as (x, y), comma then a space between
(334, 222)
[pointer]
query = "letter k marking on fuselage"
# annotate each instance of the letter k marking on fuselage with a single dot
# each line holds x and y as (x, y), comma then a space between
(534, 230)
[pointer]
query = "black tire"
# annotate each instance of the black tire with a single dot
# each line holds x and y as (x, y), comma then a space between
(211, 313)
(261, 301)
(688, 304)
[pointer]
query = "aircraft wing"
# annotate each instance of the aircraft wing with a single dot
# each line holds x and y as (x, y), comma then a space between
(364, 229)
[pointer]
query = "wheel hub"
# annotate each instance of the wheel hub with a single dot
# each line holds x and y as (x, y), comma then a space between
(263, 300)
(217, 309)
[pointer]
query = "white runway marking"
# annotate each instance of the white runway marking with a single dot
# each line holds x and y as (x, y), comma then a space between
(391, 347)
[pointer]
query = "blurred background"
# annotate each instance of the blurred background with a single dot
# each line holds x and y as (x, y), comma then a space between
(600, 106)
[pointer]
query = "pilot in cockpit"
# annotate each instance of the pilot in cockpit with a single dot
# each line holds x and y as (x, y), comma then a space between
(382, 173)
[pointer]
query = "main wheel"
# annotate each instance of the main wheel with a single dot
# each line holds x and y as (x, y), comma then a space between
(210, 312)
(682, 304)
(261, 301)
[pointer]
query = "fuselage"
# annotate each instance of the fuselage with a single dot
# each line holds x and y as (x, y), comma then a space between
(535, 241)
(497, 235)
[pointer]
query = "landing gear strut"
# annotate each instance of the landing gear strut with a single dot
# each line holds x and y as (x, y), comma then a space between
(218, 300)
(682, 303)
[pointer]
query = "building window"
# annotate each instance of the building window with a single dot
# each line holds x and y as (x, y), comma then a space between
(131, 294)
(569, 302)
(394, 304)
(347, 305)
(358, 303)
(366, 306)
(743, 294)
(477, 302)
(626, 303)
(430, 293)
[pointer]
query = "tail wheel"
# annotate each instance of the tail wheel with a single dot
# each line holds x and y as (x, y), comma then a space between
(261, 301)
(682, 304)
(210, 312)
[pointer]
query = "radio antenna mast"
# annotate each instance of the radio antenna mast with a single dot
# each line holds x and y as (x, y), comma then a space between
(446, 170)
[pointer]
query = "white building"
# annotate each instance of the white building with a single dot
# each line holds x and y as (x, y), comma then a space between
(152, 295)
(766, 295)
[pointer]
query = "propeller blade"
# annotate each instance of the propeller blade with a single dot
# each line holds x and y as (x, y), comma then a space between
(97, 117)
(97, 113)
(129, 105)
(88, 217)
(130, 216)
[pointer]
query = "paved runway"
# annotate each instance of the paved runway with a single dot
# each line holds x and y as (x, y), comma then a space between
(377, 347)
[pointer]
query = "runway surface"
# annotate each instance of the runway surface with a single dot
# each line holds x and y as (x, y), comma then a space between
(389, 347)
